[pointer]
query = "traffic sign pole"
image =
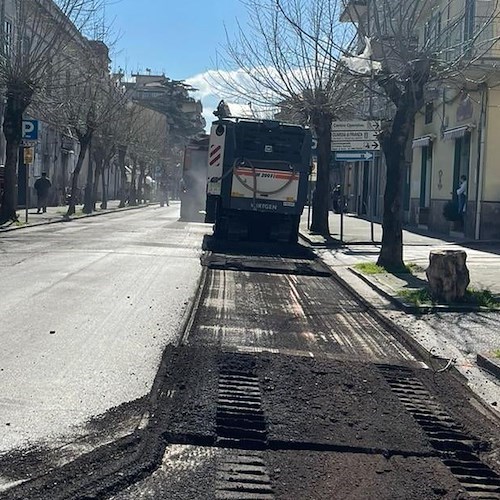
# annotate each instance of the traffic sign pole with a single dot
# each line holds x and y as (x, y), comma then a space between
(26, 201)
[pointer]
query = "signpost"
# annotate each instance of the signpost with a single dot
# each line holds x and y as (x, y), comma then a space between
(29, 139)
(355, 135)
(29, 156)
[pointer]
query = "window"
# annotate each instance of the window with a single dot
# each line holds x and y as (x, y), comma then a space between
(432, 32)
(7, 41)
(469, 15)
(429, 112)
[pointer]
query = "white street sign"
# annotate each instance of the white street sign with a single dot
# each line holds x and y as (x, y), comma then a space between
(356, 125)
(355, 135)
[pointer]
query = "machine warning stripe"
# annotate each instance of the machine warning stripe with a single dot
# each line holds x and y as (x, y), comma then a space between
(215, 160)
(215, 154)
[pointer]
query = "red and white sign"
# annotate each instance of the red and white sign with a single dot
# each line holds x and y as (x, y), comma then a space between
(215, 154)
(215, 161)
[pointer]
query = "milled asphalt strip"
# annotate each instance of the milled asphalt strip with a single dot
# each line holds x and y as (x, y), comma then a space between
(436, 363)
(103, 471)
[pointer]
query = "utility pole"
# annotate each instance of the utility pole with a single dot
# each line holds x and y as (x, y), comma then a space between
(371, 176)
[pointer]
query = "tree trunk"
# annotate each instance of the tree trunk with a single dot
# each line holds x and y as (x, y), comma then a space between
(448, 275)
(323, 127)
(98, 173)
(394, 147)
(104, 201)
(132, 199)
(122, 152)
(16, 104)
(88, 204)
(140, 189)
(105, 172)
(84, 146)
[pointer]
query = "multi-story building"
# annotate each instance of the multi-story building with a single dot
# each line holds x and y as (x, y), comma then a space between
(455, 132)
(182, 112)
(57, 149)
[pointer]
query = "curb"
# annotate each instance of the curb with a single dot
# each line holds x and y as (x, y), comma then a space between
(409, 308)
(332, 243)
(489, 363)
(73, 218)
(414, 309)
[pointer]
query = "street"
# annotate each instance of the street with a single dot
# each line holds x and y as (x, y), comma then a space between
(143, 359)
(87, 309)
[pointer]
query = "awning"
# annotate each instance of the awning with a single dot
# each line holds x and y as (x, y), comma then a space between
(457, 132)
(423, 141)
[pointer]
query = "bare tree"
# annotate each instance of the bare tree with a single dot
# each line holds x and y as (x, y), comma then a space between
(147, 148)
(89, 106)
(39, 45)
(274, 64)
(416, 44)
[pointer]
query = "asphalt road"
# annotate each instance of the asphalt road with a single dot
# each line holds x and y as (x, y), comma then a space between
(86, 310)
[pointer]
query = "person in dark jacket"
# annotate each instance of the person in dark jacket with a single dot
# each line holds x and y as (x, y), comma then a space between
(42, 187)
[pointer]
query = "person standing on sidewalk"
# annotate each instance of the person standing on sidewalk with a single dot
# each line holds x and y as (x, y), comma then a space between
(42, 186)
(462, 195)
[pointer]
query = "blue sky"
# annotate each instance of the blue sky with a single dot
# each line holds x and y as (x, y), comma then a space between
(177, 37)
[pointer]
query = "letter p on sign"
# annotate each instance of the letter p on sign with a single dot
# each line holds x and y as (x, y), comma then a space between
(30, 130)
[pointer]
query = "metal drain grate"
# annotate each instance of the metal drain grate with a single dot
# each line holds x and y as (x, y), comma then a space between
(240, 419)
(455, 447)
(243, 475)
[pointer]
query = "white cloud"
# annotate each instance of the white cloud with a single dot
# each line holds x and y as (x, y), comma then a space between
(212, 88)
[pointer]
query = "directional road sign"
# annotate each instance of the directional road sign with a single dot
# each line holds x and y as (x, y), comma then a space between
(354, 155)
(355, 135)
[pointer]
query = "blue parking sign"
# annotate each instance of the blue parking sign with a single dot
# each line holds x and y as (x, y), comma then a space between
(30, 130)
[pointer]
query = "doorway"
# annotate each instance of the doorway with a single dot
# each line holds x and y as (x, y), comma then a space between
(461, 162)
(425, 177)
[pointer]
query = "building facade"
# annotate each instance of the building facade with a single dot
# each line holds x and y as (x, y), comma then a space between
(56, 149)
(454, 133)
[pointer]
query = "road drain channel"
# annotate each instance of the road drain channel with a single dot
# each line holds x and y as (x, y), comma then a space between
(243, 475)
(457, 449)
(240, 419)
(241, 427)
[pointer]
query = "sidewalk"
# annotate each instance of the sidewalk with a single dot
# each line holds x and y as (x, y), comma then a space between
(463, 337)
(56, 214)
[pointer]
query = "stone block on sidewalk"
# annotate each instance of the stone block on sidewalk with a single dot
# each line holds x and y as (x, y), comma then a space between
(448, 275)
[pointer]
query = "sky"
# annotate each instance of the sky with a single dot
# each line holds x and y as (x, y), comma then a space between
(177, 37)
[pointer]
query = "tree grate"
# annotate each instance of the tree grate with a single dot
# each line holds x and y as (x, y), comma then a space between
(455, 447)
(243, 475)
(240, 419)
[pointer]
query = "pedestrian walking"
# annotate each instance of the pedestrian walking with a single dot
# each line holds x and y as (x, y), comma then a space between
(42, 186)
(462, 195)
(163, 191)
